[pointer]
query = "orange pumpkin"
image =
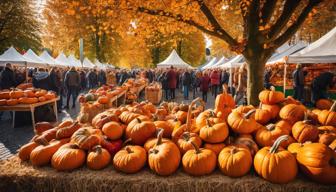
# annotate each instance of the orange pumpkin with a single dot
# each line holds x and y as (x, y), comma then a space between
(267, 135)
(292, 113)
(166, 126)
(42, 99)
(103, 100)
(12, 102)
(271, 97)
(26, 100)
(216, 148)
(98, 158)
(40, 93)
(86, 138)
(113, 130)
(323, 104)
(3, 102)
(242, 123)
(29, 93)
(328, 117)
(305, 131)
(50, 95)
(272, 109)
(25, 150)
(16, 94)
(4, 95)
(130, 159)
(224, 103)
(68, 157)
(214, 133)
(140, 130)
(262, 116)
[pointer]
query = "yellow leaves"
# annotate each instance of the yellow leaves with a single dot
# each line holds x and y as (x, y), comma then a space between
(70, 12)
(265, 27)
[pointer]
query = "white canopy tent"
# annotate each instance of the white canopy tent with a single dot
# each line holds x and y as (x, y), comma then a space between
(221, 61)
(173, 60)
(321, 51)
(62, 60)
(237, 61)
(73, 61)
(34, 60)
(210, 63)
(13, 57)
(99, 65)
(281, 56)
(88, 64)
(48, 59)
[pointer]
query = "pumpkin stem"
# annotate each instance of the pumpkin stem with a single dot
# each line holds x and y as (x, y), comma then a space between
(97, 148)
(188, 124)
(128, 149)
(333, 107)
(277, 143)
(270, 126)
(208, 123)
(159, 136)
(248, 114)
(186, 136)
(197, 149)
(224, 86)
(233, 150)
(212, 113)
(260, 105)
(153, 150)
(129, 140)
(139, 120)
(272, 88)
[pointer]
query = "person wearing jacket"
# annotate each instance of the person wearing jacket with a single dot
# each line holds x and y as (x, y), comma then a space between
(83, 80)
(72, 82)
(225, 76)
(172, 81)
(123, 77)
(204, 86)
(298, 83)
(101, 78)
(163, 78)
(186, 82)
(195, 81)
(215, 79)
(7, 77)
(320, 85)
(240, 97)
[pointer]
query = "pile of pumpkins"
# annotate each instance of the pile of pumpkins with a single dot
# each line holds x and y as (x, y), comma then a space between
(277, 139)
(24, 94)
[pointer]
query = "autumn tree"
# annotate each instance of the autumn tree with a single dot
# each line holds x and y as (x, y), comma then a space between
(266, 25)
(18, 25)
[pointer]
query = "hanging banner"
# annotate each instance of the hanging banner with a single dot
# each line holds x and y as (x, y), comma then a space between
(81, 48)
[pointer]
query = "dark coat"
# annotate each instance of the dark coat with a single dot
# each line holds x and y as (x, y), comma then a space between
(102, 77)
(163, 78)
(72, 79)
(7, 78)
(42, 80)
(54, 81)
(186, 79)
(172, 79)
(225, 77)
(298, 78)
(323, 81)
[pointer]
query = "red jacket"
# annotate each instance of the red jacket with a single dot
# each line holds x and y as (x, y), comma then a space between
(172, 78)
(215, 78)
(205, 80)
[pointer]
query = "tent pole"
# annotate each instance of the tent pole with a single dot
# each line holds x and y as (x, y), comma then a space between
(285, 78)
(26, 69)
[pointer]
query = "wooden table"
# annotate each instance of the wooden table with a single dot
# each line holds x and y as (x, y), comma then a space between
(31, 108)
(121, 94)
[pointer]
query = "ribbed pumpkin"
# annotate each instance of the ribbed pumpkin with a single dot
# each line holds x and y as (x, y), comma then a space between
(242, 123)
(103, 100)
(130, 159)
(270, 163)
(126, 117)
(66, 132)
(27, 100)
(4, 94)
(224, 103)
(234, 161)
(98, 158)
(113, 130)
(247, 142)
(295, 147)
(29, 93)
(25, 150)
(214, 133)
(166, 126)
(292, 113)
(262, 116)
(271, 97)
(140, 130)
(266, 136)
(68, 157)
(272, 109)
(305, 131)
(42, 154)
(207, 115)
(323, 104)
(150, 143)
(199, 161)
(86, 138)
(328, 117)
(216, 148)
(318, 161)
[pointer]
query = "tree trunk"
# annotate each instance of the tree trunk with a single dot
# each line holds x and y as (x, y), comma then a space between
(255, 81)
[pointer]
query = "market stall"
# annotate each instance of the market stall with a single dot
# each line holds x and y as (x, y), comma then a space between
(174, 60)
(210, 63)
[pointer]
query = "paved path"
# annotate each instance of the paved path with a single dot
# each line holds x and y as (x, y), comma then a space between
(11, 139)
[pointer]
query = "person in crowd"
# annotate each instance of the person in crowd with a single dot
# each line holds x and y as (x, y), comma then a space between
(225, 76)
(55, 85)
(320, 85)
(83, 79)
(267, 78)
(204, 85)
(195, 81)
(123, 77)
(240, 97)
(19, 76)
(186, 82)
(215, 79)
(92, 79)
(111, 78)
(163, 78)
(298, 83)
(102, 78)
(172, 82)
(7, 77)
(59, 80)
(42, 80)
(72, 82)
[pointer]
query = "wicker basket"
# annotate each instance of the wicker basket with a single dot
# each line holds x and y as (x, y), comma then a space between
(153, 95)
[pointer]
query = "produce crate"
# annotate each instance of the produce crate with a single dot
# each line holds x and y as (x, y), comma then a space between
(153, 93)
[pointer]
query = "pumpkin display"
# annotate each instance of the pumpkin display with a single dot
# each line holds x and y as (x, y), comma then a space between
(42, 154)
(41, 127)
(86, 138)
(42, 99)
(46, 136)
(25, 150)
(267, 135)
(126, 117)
(328, 117)
(304, 131)
(247, 142)
(27, 100)
(150, 143)
(216, 148)
(68, 157)
(224, 103)
(234, 161)
(272, 109)
(40, 92)
(130, 159)
(292, 113)
(140, 130)
(318, 162)
(67, 132)
(98, 158)
(199, 161)
(99, 120)
(11, 102)
(113, 130)
(271, 96)
(214, 133)
(50, 95)
(262, 116)
(103, 100)
(207, 115)
(323, 104)
(295, 147)
(270, 163)
(242, 123)
(29, 93)
(16, 94)
(4, 95)
(166, 126)
(164, 158)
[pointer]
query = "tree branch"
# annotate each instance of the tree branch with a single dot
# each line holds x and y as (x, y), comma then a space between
(288, 10)
(296, 25)
(213, 21)
(267, 11)
(180, 18)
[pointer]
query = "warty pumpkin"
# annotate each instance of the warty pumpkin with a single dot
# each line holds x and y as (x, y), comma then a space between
(199, 161)
(234, 161)
(140, 130)
(98, 158)
(270, 163)
(68, 157)
(242, 123)
(318, 162)
(214, 133)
